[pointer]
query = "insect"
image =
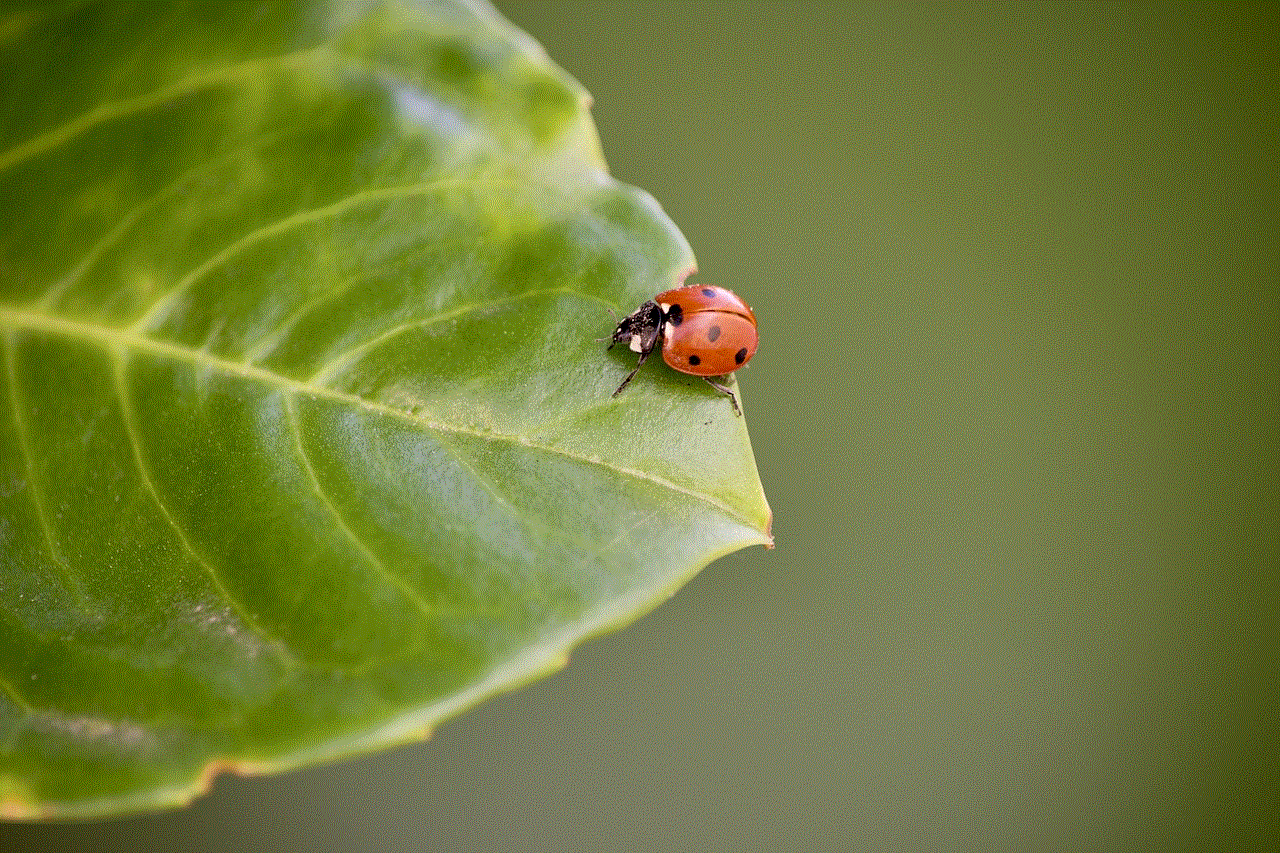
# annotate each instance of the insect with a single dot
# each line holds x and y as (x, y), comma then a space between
(704, 331)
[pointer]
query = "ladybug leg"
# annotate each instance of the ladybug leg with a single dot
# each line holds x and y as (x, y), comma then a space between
(723, 390)
(643, 356)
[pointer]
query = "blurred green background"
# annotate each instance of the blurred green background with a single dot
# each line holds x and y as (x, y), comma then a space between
(1018, 281)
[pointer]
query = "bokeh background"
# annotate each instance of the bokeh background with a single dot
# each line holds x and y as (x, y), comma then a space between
(1015, 407)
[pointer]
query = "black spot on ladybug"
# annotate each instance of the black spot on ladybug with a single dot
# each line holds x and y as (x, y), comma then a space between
(708, 292)
(713, 333)
(675, 315)
(740, 356)
(694, 360)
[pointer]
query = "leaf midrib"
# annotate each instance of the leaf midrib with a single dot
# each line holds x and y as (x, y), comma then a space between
(117, 339)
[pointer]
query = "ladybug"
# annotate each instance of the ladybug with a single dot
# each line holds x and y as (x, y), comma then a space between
(704, 331)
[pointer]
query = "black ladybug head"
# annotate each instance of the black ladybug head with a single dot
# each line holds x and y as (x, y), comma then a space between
(640, 329)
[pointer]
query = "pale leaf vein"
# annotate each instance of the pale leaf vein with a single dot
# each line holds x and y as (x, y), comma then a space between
(344, 359)
(103, 113)
(129, 416)
(32, 480)
(156, 312)
(18, 699)
(372, 559)
(130, 218)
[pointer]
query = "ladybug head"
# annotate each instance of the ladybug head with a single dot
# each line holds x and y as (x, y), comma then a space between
(640, 329)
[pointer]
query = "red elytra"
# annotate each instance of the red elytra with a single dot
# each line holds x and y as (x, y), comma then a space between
(709, 331)
(705, 331)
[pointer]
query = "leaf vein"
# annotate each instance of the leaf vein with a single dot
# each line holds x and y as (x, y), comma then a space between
(344, 359)
(415, 598)
(158, 309)
(492, 488)
(269, 341)
(131, 217)
(28, 456)
(18, 699)
(103, 113)
(129, 416)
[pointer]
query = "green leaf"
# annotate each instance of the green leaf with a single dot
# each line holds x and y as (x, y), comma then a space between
(306, 441)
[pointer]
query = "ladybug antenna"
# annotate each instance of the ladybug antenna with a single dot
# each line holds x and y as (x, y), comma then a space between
(615, 322)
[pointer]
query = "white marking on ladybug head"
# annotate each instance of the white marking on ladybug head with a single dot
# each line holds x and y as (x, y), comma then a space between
(665, 306)
(669, 330)
(635, 344)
